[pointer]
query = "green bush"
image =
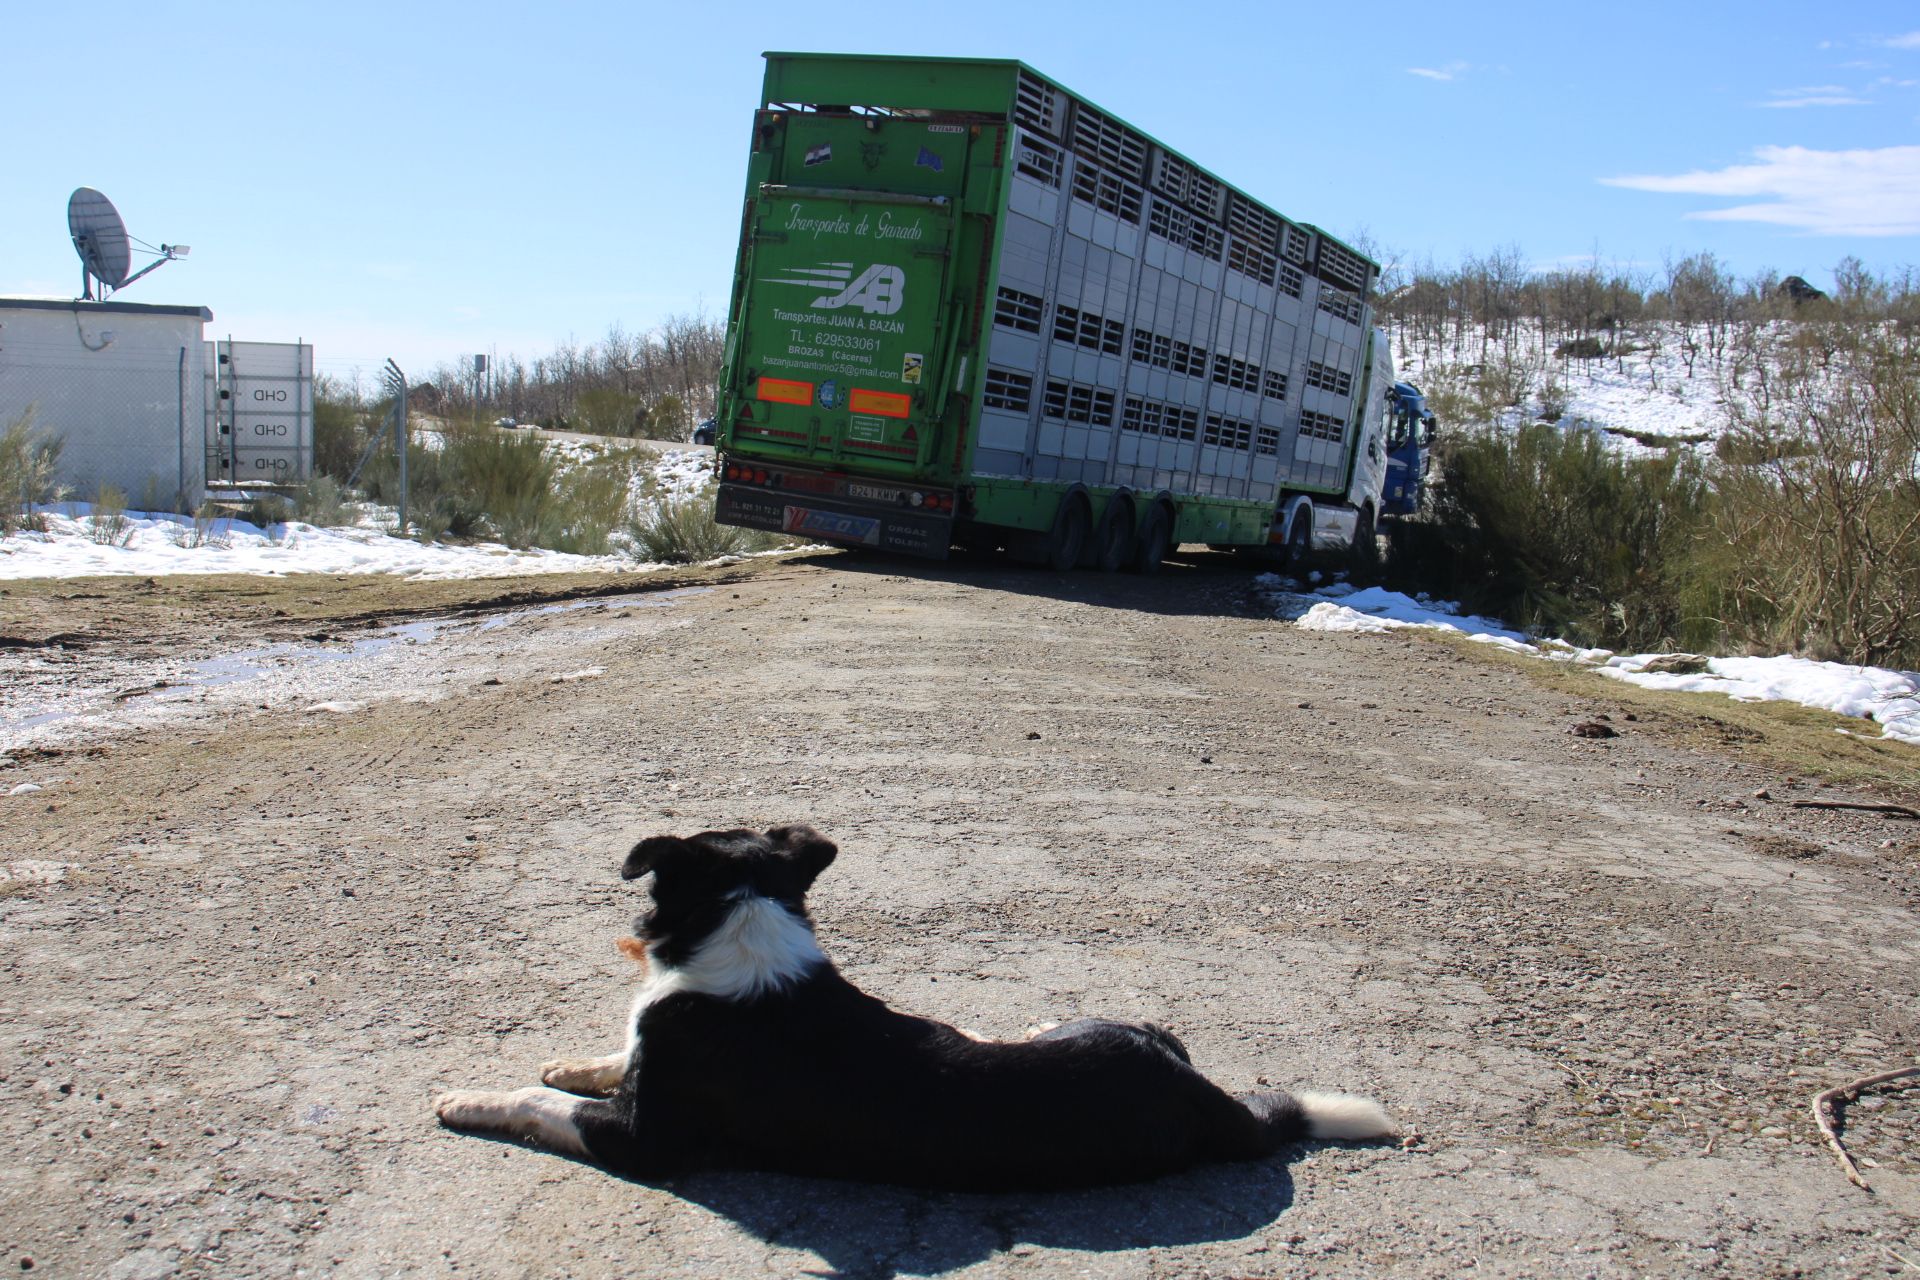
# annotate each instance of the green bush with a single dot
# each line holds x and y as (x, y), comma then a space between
(28, 459)
(506, 485)
(609, 411)
(588, 506)
(507, 478)
(1581, 349)
(667, 420)
(321, 502)
(342, 425)
(267, 510)
(680, 529)
(1555, 531)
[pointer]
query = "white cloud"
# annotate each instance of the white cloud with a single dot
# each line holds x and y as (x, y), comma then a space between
(1856, 193)
(1448, 72)
(1911, 40)
(1816, 100)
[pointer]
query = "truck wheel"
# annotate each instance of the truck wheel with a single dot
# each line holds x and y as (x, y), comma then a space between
(1155, 543)
(1299, 539)
(1366, 542)
(1069, 537)
(1114, 542)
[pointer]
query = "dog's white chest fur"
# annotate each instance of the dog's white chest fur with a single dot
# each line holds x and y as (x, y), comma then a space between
(760, 947)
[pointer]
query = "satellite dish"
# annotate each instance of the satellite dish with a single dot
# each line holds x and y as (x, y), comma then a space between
(105, 248)
(99, 237)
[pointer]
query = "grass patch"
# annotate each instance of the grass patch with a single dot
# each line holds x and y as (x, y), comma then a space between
(211, 527)
(680, 529)
(109, 525)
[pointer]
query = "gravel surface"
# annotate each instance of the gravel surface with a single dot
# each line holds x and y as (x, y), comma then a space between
(253, 921)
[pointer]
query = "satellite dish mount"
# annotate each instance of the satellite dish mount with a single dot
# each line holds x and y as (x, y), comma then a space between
(105, 248)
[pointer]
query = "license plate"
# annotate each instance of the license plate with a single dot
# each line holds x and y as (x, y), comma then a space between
(832, 524)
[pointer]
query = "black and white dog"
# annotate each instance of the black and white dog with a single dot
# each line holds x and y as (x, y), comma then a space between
(746, 1049)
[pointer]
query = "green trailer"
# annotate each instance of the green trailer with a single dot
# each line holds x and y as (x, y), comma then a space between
(970, 307)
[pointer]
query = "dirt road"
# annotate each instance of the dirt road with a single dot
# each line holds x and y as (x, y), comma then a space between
(256, 918)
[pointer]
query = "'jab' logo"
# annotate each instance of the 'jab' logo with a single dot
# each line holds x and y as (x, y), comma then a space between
(878, 290)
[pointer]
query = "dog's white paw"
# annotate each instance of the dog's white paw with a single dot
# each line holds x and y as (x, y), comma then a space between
(543, 1117)
(473, 1109)
(593, 1077)
(1040, 1029)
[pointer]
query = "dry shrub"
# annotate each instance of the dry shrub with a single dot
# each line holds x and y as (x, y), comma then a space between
(28, 459)
(1819, 521)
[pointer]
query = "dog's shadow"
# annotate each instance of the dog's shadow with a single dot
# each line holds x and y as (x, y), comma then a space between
(870, 1232)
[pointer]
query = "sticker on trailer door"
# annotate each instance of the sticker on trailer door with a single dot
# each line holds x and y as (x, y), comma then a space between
(878, 290)
(832, 524)
(845, 292)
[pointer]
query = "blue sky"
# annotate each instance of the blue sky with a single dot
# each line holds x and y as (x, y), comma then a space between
(423, 181)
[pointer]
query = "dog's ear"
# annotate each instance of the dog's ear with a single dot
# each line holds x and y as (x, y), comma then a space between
(812, 851)
(652, 854)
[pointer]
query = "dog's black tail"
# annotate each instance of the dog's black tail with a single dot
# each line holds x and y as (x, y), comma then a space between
(1287, 1117)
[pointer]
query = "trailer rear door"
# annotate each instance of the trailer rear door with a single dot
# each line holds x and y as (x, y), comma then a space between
(841, 356)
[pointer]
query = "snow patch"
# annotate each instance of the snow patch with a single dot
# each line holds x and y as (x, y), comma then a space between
(157, 544)
(1889, 698)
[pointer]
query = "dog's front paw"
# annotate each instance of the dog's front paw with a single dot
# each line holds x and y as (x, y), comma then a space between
(472, 1108)
(586, 1076)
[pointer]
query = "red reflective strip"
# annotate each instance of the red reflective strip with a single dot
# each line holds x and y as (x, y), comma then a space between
(888, 404)
(783, 391)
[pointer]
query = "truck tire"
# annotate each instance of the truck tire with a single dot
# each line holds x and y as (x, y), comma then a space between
(1365, 554)
(1069, 537)
(1113, 541)
(1155, 542)
(1299, 539)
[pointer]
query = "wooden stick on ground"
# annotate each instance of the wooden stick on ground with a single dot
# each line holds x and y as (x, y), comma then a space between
(1897, 810)
(1823, 1115)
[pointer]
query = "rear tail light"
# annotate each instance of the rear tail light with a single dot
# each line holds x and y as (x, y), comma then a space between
(784, 391)
(887, 404)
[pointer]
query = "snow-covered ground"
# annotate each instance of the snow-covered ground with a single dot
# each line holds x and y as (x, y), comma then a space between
(1644, 393)
(159, 544)
(1889, 698)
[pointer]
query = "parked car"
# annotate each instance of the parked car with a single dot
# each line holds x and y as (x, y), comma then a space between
(703, 434)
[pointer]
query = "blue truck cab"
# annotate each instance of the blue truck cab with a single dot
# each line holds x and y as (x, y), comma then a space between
(1410, 428)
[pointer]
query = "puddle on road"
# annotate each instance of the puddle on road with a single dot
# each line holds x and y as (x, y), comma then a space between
(284, 659)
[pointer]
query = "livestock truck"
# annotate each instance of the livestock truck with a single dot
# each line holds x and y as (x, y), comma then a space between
(970, 307)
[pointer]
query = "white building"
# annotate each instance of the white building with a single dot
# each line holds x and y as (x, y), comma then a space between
(124, 387)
